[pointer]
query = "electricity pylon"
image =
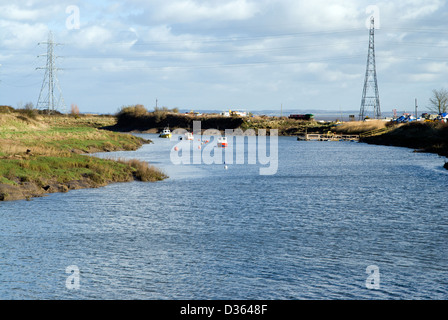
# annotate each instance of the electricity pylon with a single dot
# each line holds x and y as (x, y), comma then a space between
(370, 95)
(49, 99)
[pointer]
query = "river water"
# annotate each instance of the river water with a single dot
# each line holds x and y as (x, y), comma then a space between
(333, 212)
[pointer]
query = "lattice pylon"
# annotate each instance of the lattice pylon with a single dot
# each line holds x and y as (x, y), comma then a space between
(50, 96)
(370, 95)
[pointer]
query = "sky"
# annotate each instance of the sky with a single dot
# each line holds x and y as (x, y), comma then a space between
(248, 55)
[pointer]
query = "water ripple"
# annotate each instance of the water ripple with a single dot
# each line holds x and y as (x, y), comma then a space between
(308, 232)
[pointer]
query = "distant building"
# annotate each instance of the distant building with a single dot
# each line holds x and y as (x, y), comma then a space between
(234, 113)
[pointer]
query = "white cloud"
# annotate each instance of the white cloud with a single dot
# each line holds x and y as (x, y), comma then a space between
(17, 35)
(437, 67)
(423, 77)
(183, 11)
(262, 51)
(92, 36)
(418, 9)
(13, 12)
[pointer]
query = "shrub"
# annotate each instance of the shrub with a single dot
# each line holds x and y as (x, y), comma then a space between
(137, 110)
(28, 111)
(6, 109)
(74, 111)
(143, 171)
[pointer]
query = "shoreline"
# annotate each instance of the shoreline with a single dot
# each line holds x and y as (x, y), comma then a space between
(49, 154)
(41, 155)
(431, 137)
(427, 137)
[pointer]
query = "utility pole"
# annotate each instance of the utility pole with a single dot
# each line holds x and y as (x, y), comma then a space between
(370, 95)
(416, 107)
(47, 99)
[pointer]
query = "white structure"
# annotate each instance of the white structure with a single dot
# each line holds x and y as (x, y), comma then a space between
(234, 113)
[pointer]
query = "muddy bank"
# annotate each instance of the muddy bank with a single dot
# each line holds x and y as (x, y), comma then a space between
(28, 190)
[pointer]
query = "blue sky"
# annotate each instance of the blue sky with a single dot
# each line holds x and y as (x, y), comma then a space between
(237, 54)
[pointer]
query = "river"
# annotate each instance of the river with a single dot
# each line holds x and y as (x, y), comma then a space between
(337, 220)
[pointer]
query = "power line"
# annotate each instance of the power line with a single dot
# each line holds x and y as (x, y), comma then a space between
(136, 42)
(242, 64)
(236, 51)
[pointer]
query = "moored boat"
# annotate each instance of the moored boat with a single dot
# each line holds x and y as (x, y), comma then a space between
(187, 136)
(222, 142)
(166, 133)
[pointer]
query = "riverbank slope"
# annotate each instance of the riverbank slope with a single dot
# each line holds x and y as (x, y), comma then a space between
(41, 154)
(422, 136)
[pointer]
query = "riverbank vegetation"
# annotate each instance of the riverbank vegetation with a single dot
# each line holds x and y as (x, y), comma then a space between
(422, 136)
(138, 118)
(41, 154)
(358, 127)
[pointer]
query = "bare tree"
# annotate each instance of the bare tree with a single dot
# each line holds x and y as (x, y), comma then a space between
(439, 101)
(74, 110)
(29, 106)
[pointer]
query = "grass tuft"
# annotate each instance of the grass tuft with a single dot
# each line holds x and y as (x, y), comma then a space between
(143, 171)
(357, 127)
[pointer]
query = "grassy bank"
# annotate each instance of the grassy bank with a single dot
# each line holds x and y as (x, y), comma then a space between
(41, 154)
(423, 136)
(358, 127)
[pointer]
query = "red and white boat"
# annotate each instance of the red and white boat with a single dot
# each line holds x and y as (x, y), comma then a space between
(188, 136)
(222, 142)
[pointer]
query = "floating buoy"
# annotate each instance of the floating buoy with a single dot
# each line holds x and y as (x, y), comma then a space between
(199, 147)
(176, 148)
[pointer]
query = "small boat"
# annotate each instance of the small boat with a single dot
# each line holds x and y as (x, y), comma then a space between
(187, 136)
(222, 142)
(166, 133)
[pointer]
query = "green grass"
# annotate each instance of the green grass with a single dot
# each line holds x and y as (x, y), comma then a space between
(48, 152)
(63, 169)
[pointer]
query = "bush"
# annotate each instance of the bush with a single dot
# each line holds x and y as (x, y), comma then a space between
(143, 171)
(6, 109)
(137, 110)
(166, 110)
(28, 110)
(74, 111)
